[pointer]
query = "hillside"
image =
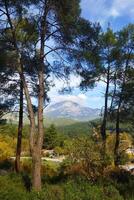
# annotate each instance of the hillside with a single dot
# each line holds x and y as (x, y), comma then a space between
(58, 121)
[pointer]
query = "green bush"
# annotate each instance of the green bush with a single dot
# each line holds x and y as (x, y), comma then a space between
(77, 190)
(85, 158)
(12, 188)
(84, 190)
(26, 166)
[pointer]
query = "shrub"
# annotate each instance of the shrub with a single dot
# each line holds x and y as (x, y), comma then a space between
(6, 148)
(26, 166)
(124, 182)
(6, 165)
(83, 190)
(59, 151)
(85, 158)
(11, 188)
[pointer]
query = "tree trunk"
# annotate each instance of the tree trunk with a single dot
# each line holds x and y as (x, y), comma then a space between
(37, 152)
(113, 95)
(36, 138)
(20, 127)
(117, 142)
(104, 122)
(36, 158)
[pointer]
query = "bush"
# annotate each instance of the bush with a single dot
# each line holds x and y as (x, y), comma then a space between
(84, 190)
(77, 191)
(6, 165)
(124, 182)
(6, 147)
(85, 158)
(59, 151)
(12, 188)
(26, 166)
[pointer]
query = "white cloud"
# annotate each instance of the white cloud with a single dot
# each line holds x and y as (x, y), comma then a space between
(80, 98)
(92, 98)
(123, 7)
(60, 84)
(114, 13)
(103, 10)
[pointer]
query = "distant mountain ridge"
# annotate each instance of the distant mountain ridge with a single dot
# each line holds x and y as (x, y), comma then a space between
(62, 113)
(71, 110)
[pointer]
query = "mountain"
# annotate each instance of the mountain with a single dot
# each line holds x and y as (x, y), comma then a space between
(71, 110)
(62, 113)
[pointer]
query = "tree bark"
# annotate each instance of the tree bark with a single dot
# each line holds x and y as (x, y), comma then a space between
(113, 95)
(104, 122)
(36, 137)
(117, 142)
(20, 128)
(37, 152)
(36, 170)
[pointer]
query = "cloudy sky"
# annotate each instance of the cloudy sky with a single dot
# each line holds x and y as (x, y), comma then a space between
(116, 12)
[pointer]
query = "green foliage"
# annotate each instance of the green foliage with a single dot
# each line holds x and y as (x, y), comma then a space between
(125, 142)
(108, 38)
(85, 190)
(76, 129)
(8, 130)
(58, 122)
(85, 128)
(11, 130)
(124, 182)
(12, 188)
(7, 145)
(50, 139)
(59, 150)
(8, 139)
(85, 158)
(49, 169)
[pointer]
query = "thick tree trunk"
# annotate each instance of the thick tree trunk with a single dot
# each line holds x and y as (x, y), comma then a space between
(36, 136)
(37, 152)
(20, 128)
(36, 158)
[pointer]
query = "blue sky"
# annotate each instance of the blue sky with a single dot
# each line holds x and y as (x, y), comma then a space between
(116, 12)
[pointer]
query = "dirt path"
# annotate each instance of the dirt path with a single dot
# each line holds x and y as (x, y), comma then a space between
(57, 159)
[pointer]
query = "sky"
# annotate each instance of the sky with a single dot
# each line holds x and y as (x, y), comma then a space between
(117, 13)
